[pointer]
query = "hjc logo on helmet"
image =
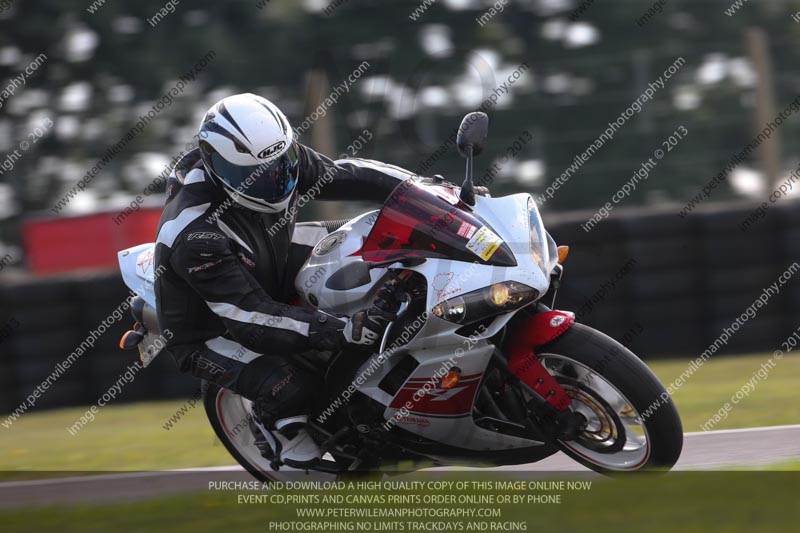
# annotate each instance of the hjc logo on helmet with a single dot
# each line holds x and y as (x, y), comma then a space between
(272, 150)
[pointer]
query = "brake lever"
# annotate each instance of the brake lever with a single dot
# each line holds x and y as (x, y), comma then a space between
(403, 308)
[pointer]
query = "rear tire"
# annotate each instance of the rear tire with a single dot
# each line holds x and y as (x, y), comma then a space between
(626, 390)
(234, 436)
(230, 416)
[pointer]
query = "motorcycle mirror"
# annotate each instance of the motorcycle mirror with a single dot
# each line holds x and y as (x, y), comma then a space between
(470, 140)
(472, 132)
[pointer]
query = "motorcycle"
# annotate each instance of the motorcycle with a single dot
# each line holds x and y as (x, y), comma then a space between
(476, 370)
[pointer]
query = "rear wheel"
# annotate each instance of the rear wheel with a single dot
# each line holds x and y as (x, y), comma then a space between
(631, 422)
(231, 417)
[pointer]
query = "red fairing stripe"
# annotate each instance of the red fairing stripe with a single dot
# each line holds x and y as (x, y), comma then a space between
(523, 363)
(437, 401)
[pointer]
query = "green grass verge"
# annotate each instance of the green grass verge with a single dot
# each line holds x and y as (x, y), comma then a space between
(128, 437)
(132, 436)
(687, 502)
(773, 401)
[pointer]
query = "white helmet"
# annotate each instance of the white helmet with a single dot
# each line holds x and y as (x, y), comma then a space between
(248, 148)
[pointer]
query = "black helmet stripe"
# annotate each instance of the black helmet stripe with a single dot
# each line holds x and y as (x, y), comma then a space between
(225, 113)
(214, 127)
(281, 125)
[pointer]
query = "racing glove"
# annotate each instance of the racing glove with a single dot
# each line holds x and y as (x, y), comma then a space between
(329, 333)
(366, 327)
(363, 328)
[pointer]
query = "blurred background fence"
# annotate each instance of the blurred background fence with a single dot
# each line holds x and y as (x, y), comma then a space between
(663, 288)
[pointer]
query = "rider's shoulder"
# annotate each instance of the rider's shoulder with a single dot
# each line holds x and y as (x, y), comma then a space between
(188, 174)
(189, 162)
(203, 237)
(190, 189)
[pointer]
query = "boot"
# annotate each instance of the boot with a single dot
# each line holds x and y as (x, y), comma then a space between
(289, 441)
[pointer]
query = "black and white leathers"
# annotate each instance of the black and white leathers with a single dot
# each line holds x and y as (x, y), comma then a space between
(226, 275)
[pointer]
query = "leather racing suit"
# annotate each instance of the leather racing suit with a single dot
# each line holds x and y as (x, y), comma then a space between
(225, 275)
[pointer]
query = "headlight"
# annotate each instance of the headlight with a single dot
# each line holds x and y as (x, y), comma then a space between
(483, 303)
(454, 310)
(499, 294)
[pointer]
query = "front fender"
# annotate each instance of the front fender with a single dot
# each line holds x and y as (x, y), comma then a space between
(542, 328)
(533, 331)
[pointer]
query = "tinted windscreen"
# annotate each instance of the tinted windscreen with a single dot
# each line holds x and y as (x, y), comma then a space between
(426, 221)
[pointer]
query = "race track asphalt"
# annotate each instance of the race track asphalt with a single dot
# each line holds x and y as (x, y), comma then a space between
(713, 450)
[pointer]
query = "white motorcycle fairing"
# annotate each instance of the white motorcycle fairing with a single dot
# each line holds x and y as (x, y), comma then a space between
(444, 416)
(137, 266)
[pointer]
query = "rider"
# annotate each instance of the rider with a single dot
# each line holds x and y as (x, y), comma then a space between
(226, 246)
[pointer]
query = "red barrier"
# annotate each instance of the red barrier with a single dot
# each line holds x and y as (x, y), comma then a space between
(63, 244)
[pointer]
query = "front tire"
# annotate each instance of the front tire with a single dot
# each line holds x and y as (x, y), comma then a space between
(632, 423)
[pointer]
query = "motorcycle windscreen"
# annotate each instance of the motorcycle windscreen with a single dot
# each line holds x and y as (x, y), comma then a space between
(420, 220)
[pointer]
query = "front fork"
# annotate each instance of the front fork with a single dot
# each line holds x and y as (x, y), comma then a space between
(550, 403)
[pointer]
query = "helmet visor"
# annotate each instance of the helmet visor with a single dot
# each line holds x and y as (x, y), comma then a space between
(271, 181)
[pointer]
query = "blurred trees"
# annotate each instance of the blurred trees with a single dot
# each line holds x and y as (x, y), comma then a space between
(107, 68)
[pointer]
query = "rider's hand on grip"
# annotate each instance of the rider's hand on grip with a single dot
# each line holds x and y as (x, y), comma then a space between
(367, 327)
(386, 303)
(364, 329)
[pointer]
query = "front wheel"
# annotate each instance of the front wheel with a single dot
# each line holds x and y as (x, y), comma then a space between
(631, 422)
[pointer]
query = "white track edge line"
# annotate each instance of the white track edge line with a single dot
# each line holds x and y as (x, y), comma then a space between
(236, 468)
(741, 430)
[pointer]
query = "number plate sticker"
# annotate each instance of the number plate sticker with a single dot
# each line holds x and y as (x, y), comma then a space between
(484, 243)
